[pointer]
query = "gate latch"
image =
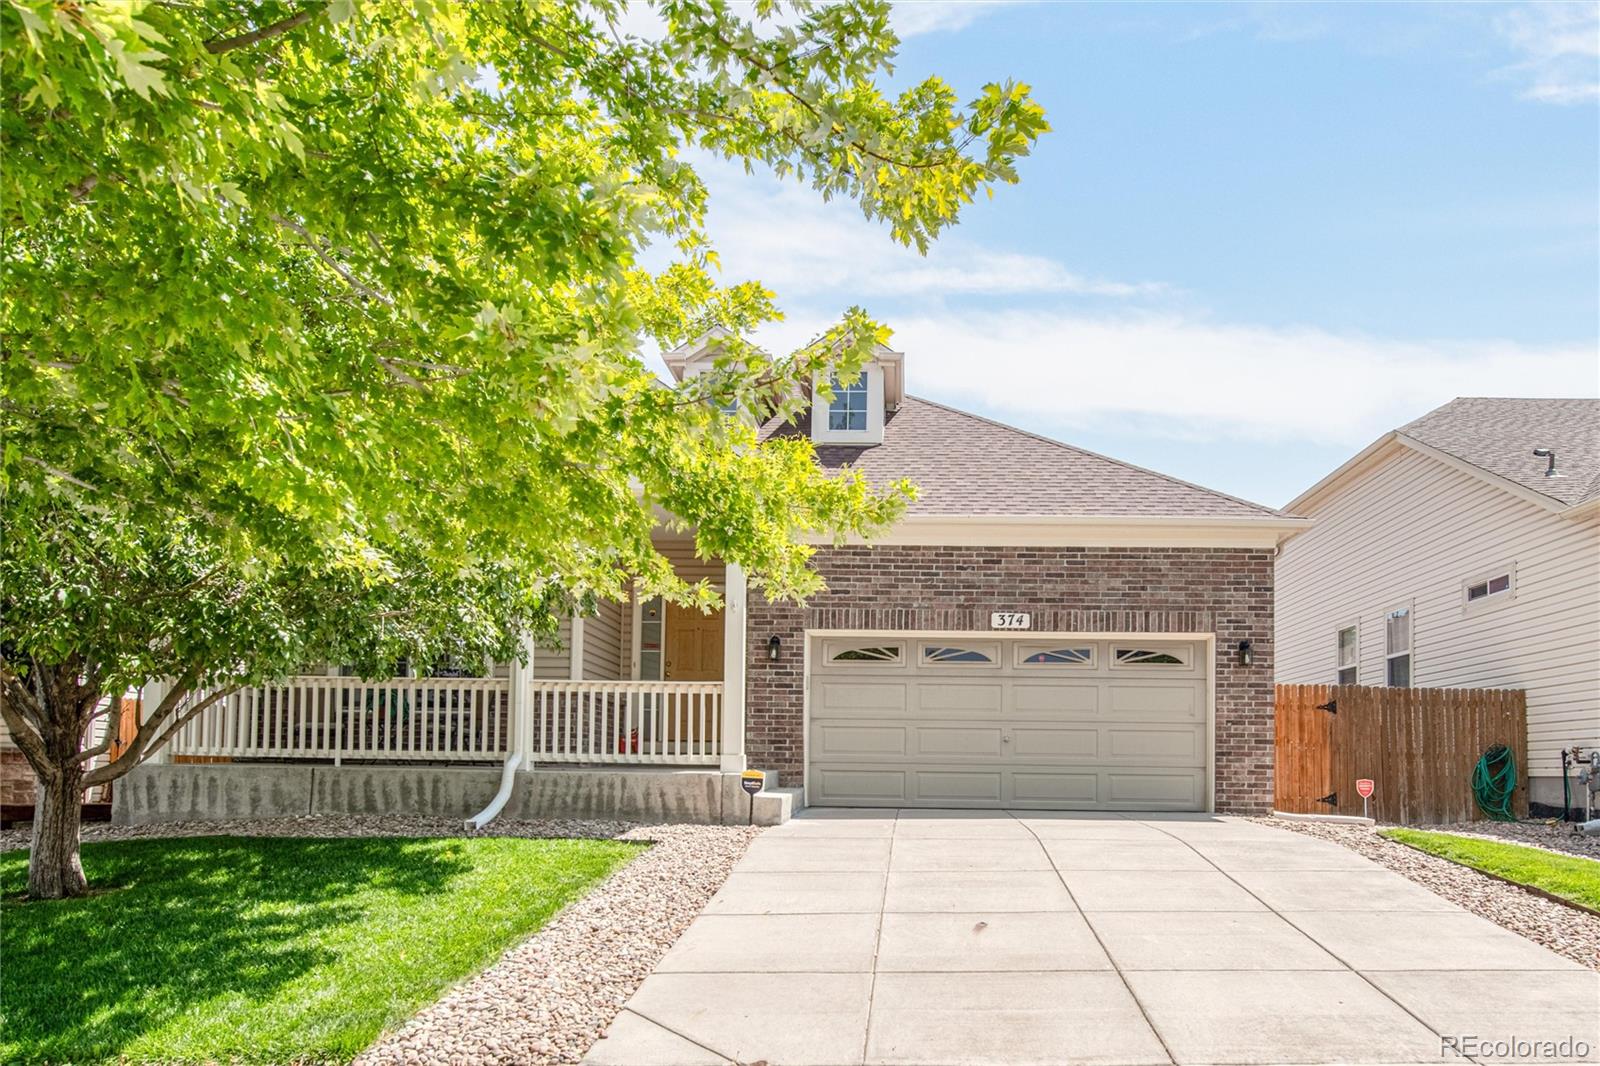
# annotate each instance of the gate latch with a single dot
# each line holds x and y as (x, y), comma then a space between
(1332, 706)
(1331, 799)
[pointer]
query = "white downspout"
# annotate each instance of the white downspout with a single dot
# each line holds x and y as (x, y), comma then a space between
(508, 778)
(517, 715)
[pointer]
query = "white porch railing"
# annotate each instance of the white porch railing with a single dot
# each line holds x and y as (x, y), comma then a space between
(657, 722)
(465, 719)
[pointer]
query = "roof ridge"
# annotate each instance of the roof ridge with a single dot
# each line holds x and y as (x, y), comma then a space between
(1096, 455)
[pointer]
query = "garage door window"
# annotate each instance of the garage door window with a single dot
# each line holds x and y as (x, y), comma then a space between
(1152, 657)
(876, 653)
(1034, 655)
(958, 654)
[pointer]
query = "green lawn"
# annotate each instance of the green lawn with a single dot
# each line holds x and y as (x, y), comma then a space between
(258, 949)
(1567, 876)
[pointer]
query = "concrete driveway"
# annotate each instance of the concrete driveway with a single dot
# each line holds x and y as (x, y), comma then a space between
(848, 937)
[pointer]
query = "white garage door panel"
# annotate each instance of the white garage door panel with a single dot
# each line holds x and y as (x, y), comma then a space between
(958, 741)
(1153, 745)
(1107, 734)
(935, 787)
(867, 787)
(870, 741)
(1032, 741)
(863, 697)
(1156, 701)
(1078, 701)
(966, 701)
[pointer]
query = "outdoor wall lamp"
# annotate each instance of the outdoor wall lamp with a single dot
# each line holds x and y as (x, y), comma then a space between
(1244, 653)
(774, 645)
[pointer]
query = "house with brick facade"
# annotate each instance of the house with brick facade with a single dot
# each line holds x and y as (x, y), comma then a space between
(1045, 628)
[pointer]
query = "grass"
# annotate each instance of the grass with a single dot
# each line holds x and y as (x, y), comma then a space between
(1568, 876)
(262, 949)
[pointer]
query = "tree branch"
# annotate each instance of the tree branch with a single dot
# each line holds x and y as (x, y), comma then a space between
(144, 745)
(218, 45)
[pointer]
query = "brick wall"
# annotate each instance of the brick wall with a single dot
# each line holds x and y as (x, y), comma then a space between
(16, 778)
(1225, 591)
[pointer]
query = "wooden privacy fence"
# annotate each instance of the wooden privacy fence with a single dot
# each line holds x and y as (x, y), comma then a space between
(1418, 745)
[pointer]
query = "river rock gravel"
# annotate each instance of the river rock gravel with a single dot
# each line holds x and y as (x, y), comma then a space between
(552, 996)
(1564, 930)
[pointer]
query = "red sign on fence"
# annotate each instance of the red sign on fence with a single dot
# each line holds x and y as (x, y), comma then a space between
(1364, 787)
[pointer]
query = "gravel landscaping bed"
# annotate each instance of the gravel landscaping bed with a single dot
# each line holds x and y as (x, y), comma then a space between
(552, 996)
(1562, 929)
(1551, 836)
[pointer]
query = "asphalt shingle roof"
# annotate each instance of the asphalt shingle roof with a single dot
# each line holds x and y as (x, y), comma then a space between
(968, 465)
(1499, 435)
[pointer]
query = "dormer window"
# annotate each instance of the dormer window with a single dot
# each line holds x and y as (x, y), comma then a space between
(848, 409)
(854, 413)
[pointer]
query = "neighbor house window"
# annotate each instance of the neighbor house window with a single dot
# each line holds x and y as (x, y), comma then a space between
(1397, 647)
(1349, 652)
(848, 408)
(1494, 588)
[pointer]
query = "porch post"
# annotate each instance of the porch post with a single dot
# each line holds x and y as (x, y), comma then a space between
(733, 644)
(519, 714)
(150, 697)
(575, 648)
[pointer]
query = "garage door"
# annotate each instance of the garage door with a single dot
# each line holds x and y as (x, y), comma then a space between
(1000, 722)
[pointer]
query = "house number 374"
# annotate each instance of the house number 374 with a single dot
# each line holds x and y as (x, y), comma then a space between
(1010, 620)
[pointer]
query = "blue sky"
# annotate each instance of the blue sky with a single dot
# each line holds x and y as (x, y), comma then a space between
(1258, 237)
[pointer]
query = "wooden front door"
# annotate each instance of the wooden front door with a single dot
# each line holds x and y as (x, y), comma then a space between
(694, 645)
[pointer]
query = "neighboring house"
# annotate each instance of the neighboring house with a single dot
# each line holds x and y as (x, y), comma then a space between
(1450, 554)
(1045, 628)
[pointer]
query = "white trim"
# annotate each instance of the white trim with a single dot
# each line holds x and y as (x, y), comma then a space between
(1337, 630)
(1209, 640)
(575, 649)
(735, 619)
(991, 648)
(873, 434)
(1491, 600)
(1085, 532)
(1023, 648)
(1378, 451)
(1410, 609)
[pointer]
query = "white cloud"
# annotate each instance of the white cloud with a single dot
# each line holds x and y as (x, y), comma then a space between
(910, 18)
(785, 235)
(913, 18)
(1560, 43)
(1176, 377)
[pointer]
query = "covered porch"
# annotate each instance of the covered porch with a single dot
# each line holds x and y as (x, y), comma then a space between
(640, 682)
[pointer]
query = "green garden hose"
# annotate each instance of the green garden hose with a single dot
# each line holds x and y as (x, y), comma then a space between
(1493, 781)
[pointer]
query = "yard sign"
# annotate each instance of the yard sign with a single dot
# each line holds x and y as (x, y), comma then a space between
(1363, 789)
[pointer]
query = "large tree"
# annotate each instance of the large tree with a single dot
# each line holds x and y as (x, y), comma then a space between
(323, 325)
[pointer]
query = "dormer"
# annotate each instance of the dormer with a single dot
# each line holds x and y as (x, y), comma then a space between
(694, 357)
(859, 408)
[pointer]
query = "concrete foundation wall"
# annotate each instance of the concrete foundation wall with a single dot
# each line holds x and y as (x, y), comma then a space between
(190, 792)
(233, 792)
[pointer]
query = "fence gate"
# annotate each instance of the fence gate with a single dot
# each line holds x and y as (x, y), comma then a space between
(1419, 745)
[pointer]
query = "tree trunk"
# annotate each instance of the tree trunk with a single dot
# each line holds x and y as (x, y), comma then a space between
(55, 870)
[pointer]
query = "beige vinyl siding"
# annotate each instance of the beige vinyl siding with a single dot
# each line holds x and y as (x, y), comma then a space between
(553, 662)
(686, 565)
(602, 643)
(1409, 531)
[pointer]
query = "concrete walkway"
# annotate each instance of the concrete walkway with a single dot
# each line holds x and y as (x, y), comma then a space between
(849, 937)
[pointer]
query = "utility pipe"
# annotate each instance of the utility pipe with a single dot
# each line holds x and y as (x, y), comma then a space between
(508, 778)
